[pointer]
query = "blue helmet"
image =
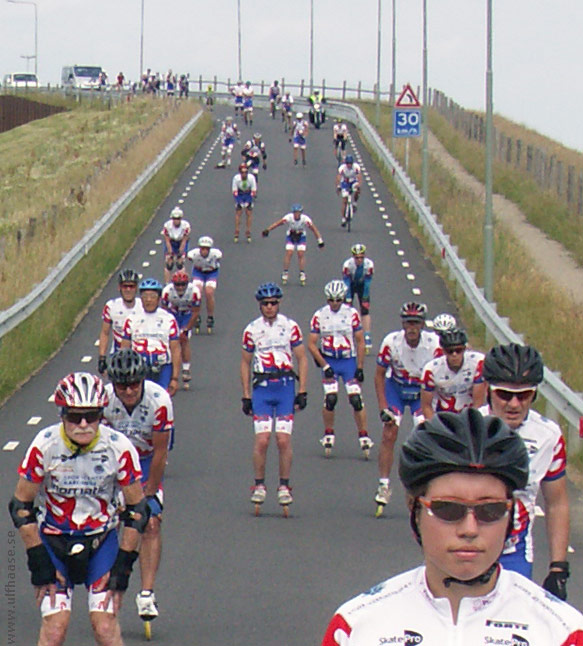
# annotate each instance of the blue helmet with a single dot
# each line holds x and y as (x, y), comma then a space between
(349, 159)
(297, 207)
(151, 283)
(268, 290)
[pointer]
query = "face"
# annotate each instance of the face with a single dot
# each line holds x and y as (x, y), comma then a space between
(454, 356)
(511, 402)
(466, 548)
(269, 308)
(204, 251)
(244, 172)
(129, 394)
(81, 424)
(358, 258)
(412, 332)
(180, 288)
(297, 215)
(176, 221)
(150, 300)
(128, 291)
(335, 304)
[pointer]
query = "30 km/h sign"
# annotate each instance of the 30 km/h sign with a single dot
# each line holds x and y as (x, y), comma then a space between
(406, 122)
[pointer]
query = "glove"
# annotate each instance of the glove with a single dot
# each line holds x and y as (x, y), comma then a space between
(40, 565)
(264, 165)
(359, 375)
(301, 400)
(246, 406)
(119, 575)
(328, 372)
(320, 243)
(556, 582)
(101, 364)
(387, 416)
(265, 233)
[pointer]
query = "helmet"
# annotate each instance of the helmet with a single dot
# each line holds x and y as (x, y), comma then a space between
(151, 283)
(465, 442)
(454, 336)
(128, 276)
(349, 159)
(247, 82)
(229, 120)
(358, 249)
(126, 367)
(205, 241)
(514, 364)
(275, 82)
(297, 207)
(242, 167)
(81, 390)
(413, 311)
(300, 115)
(443, 322)
(180, 276)
(257, 135)
(268, 290)
(335, 290)
(177, 212)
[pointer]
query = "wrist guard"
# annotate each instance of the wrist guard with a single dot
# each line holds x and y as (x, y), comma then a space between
(119, 575)
(42, 569)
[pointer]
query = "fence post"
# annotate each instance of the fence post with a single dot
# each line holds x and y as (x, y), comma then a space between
(559, 177)
(358, 91)
(283, 86)
(302, 87)
(580, 195)
(570, 185)
(528, 158)
(518, 159)
(323, 87)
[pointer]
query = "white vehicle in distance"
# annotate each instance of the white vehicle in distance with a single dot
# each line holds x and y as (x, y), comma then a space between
(81, 77)
(20, 80)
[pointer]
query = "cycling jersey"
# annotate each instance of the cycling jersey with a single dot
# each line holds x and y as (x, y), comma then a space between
(340, 131)
(254, 152)
(300, 130)
(336, 330)
(297, 226)
(248, 97)
(150, 334)
(349, 174)
(153, 414)
(238, 93)
(181, 306)
(272, 344)
(402, 610)
(453, 390)
(274, 91)
(203, 264)
(357, 278)
(115, 312)
(78, 490)
(229, 132)
(403, 363)
(287, 103)
(176, 233)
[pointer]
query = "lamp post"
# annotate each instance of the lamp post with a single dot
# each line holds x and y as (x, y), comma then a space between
(311, 47)
(239, 39)
(424, 163)
(35, 30)
(488, 218)
(378, 107)
(141, 71)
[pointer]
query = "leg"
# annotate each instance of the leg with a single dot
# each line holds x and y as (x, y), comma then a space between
(284, 447)
(238, 210)
(287, 259)
(106, 629)
(249, 214)
(260, 446)
(209, 293)
(53, 628)
(302, 259)
(150, 553)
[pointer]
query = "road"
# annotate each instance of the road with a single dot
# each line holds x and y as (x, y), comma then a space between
(228, 577)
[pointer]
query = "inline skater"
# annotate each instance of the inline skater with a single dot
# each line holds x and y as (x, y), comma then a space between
(337, 344)
(142, 411)
(400, 361)
(299, 137)
(183, 86)
(237, 92)
(453, 381)
(357, 273)
(115, 312)
(348, 181)
(461, 473)
(443, 322)
(274, 97)
(153, 334)
(270, 344)
(254, 154)
(287, 104)
(182, 299)
(206, 262)
(229, 132)
(297, 222)
(248, 94)
(339, 139)
(513, 373)
(71, 538)
(244, 188)
(176, 233)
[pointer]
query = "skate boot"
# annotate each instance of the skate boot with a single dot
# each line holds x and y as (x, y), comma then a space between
(303, 162)
(236, 238)
(366, 445)
(186, 377)
(221, 164)
(343, 223)
(197, 325)
(258, 496)
(295, 162)
(248, 238)
(284, 277)
(147, 610)
(327, 441)
(210, 324)
(284, 498)
(382, 497)
(367, 342)
(302, 278)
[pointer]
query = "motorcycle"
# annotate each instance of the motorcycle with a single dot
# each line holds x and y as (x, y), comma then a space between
(317, 113)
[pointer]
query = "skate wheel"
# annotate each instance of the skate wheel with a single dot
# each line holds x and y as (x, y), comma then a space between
(186, 386)
(148, 630)
(285, 511)
(327, 451)
(367, 350)
(209, 330)
(257, 509)
(379, 511)
(366, 453)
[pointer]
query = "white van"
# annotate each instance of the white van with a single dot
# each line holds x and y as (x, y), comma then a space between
(20, 80)
(82, 77)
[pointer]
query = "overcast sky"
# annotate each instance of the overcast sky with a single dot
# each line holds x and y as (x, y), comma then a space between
(537, 46)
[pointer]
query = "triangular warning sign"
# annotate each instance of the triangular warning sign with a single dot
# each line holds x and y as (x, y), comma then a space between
(407, 98)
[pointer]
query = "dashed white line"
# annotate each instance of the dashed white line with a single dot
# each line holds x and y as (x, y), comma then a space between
(405, 264)
(10, 446)
(410, 276)
(391, 233)
(382, 209)
(400, 252)
(51, 399)
(396, 242)
(96, 342)
(152, 252)
(386, 217)
(181, 201)
(145, 263)
(416, 291)
(379, 201)
(33, 421)
(158, 241)
(86, 359)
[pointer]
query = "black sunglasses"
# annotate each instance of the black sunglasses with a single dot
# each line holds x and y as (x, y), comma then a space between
(452, 511)
(506, 395)
(272, 303)
(76, 417)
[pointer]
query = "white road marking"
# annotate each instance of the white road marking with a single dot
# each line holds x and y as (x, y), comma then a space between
(396, 242)
(410, 276)
(405, 264)
(152, 252)
(379, 201)
(145, 263)
(33, 421)
(538, 511)
(96, 342)
(400, 252)
(10, 446)
(382, 209)
(86, 359)
(51, 399)
(416, 291)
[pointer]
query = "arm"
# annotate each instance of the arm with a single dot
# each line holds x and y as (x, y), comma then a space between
(26, 492)
(176, 357)
(379, 386)
(104, 337)
(316, 233)
(479, 395)
(245, 371)
(158, 464)
(359, 342)
(300, 355)
(426, 403)
(125, 344)
(274, 225)
(167, 243)
(557, 517)
(315, 351)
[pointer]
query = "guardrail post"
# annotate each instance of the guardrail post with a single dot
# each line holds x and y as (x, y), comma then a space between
(283, 86)
(262, 87)
(358, 90)
(343, 90)
(302, 87)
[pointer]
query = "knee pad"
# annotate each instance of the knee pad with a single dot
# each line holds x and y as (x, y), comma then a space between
(169, 263)
(364, 308)
(330, 401)
(356, 402)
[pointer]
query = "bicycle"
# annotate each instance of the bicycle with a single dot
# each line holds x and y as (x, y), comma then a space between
(348, 212)
(272, 107)
(338, 147)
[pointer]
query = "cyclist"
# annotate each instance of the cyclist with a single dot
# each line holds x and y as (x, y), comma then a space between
(297, 222)
(244, 188)
(453, 381)
(287, 104)
(337, 344)
(400, 361)
(237, 92)
(513, 373)
(339, 138)
(229, 132)
(299, 137)
(153, 333)
(142, 411)
(176, 234)
(248, 94)
(206, 261)
(357, 273)
(182, 299)
(348, 181)
(270, 345)
(115, 312)
(274, 97)
(460, 472)
(71, 538)
(254, 154)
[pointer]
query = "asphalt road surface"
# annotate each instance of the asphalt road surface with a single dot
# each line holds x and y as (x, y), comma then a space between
(228, 577)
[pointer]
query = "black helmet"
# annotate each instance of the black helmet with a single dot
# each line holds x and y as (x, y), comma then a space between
(128, 276)
(453, 337)
(126, 367)
(513, 364)
(466, 442)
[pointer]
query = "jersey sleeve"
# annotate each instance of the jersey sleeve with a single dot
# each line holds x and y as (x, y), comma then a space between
(127, 328)
(32, 466)
(315, 324)
(558, 467)
(248, 343)
(295, 336)
(164, 418)
(173, 333)
(338, 632)
(128, 466)
(384, 355)
(106, 313)
(574, 639)
(355, 322)
(428, 379)
(478, 375)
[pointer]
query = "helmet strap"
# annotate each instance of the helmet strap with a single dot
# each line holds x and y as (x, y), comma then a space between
(481, 579)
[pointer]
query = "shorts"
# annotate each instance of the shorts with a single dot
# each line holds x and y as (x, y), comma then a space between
(238, 100)
(175, 246)
(299, 243)
(274, 400)
(244, 201)
(182, 318)
(300, 142)
(362, 290)
(347, 188)
(398, 396)
(344, 369)
(162, 376)
(205, 278)
(248, 104)
(228, 142)
(341, 141)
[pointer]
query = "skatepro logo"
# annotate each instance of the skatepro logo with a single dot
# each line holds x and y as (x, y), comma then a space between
(515, 640)
(409, 638)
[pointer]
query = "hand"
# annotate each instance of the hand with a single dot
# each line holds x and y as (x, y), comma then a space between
(265, 233)
(264, 165)
(328, 372)
(246, 406)
(387, 416)
(320, 243)
(338, 189)
(359, 375)
(172, 386)
(101, 364)
(556, 581)
(301, 401)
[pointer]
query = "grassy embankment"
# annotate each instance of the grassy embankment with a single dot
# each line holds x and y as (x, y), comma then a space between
(64, 172)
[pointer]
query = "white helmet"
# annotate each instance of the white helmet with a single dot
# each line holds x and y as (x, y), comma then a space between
(335, 290)
(300, 115)
(229, 119)
(177, 212)
(443, 322)
(205, 241)
(81, 390)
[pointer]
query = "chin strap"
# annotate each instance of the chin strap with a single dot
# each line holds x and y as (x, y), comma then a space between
(481, 579)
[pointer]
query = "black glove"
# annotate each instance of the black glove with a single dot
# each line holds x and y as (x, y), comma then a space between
(101, 364)
(301, 400)
(119, 575)
(320, 243)
(556, 582)
(41, 567)
(246, 406)
(328, 372)
(359, 375)
(265, 233)
(387, 416)
(264, 165)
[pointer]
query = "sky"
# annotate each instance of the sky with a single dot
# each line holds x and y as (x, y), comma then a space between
(537, 46)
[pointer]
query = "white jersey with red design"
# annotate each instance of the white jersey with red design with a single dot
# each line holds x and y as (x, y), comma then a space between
(78, 492)
(547, 462)
(336, 330)
(176, 304)
(151, 333)
(205, 264)
(272, 343)
(300, 128)
(297, 226)
(115, 312)
(340, 130)
(405, 364)
(403, 610)
(176, 233)
(154, 414)
(247, 185)
(349, 173)
(453, 390)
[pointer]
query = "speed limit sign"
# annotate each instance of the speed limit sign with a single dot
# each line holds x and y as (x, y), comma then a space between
(406, 122)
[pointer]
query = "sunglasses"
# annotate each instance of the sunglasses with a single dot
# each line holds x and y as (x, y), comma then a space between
(335, 300)
(180, 284)
(451, 511)
(77, 417)
(272, 303)
(134, 385)
(506, 395)
(455, 350)
(129, 286)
